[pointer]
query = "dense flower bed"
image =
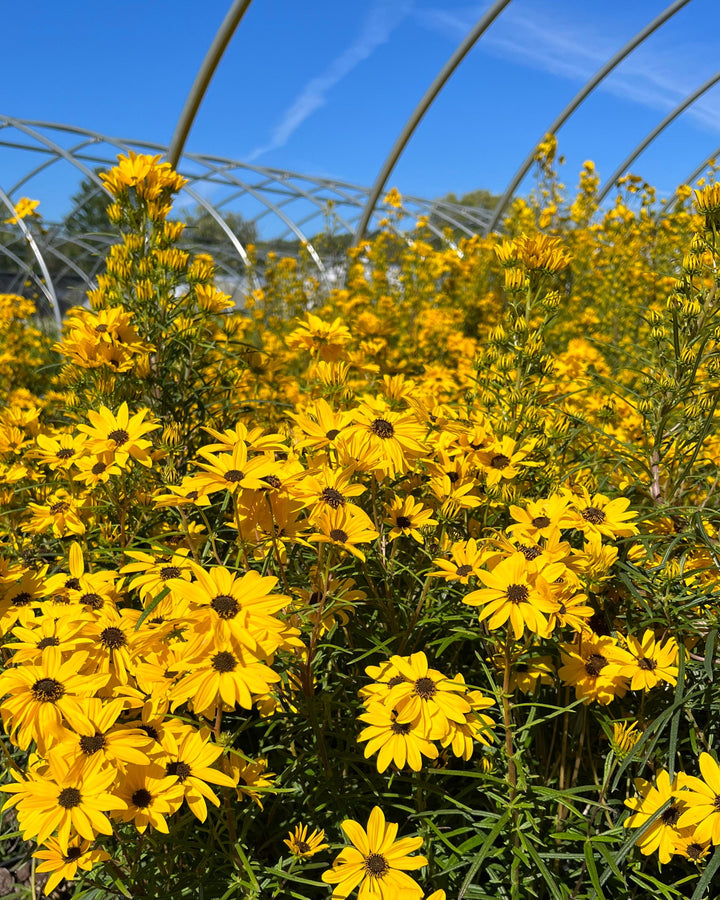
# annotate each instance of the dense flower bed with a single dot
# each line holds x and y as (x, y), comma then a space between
(437, 548)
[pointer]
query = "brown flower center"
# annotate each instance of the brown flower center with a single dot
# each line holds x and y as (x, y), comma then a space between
(170, 572)
(517, 593)
(64, 453)
(500, 461)
(48, 690)
(73, 854)
(273, 481)
(95, 601)
(403, 522)
(98, 468)
(142, 798)
(425, 688)
(671, 815)
(112, 638)
(234, 475)
(225, 606)
(541, 522)
(649, 665)
(60, 507)
(593, 515)
(92, 744)
(332, 497)
(21, 599)
(462, 571)
(302, 847)
(594, 664)
(119, 436)
(48, 642)
(337, 534)
(224, 662)
(376, 865)
(180, 769)
(382, 428)
(694, 851)
(69, 797)
(530, 553)
(395, 680)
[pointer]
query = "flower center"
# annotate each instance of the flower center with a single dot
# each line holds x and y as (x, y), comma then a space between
(593, 515)
(48, 642)
(332, 497)
(382, 428)
(541, 522)
(47, 690)
(92, 744)
(500, 461)
(395, 680)
(73, 854)
(60, 507)
(337, 534)
(694, 851)
(224, 662)
(234, 475)
(225, 606)
(671, 815)
(69, 797)
(180, 769)
(716, 802)
(462, 571)
(170, 572)
(98, 468)
(332, 434)
(517, 593)
(376, 865)
(95, 601)
(21, 599)
(649, 665)
(64, 453)
(119, 436)
(403, 522)
(142, 798)
(112, 638)
(425, 688)
(302, 847)
(594, 664)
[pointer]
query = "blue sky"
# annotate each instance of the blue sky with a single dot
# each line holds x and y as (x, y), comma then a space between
(323, 87)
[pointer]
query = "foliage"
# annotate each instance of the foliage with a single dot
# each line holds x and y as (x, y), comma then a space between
(430, 560)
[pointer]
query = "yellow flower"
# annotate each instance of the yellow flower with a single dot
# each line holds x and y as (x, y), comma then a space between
(344, 527)
(24, 208)
(376, 862)
(119, 434)
(393, 741)
(407, 517)
(703, 798)
(65, 863)
(303, 845)
(594, 667)
(663, 833)
(652, 662)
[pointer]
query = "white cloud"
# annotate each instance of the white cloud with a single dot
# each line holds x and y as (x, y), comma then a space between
(650, 76)
(382, 19)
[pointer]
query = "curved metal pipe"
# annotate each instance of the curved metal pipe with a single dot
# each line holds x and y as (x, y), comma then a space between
(47, 288)
(689, 180)
(203, 78)
(649, 138)
(440, 80)
(590, 86)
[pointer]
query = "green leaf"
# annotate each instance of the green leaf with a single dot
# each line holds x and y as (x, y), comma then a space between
(592, 870)
(707, 877)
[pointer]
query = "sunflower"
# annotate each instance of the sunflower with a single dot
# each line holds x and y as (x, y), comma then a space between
(60, 513)
(599, 515)
(65, 863)
(376, 861)
(233, 471)
(191, 763)
(427, 696)
(303, 845)
(40, 697)
(703, 799)
(121, 434)
(148, 795)
(407, 516)
(344, 527)
(663, 833)
(466, 560)
(395, 435)
(652, 662)
(394, 742)
(66, 800)
(594, 667)
(320, 425)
